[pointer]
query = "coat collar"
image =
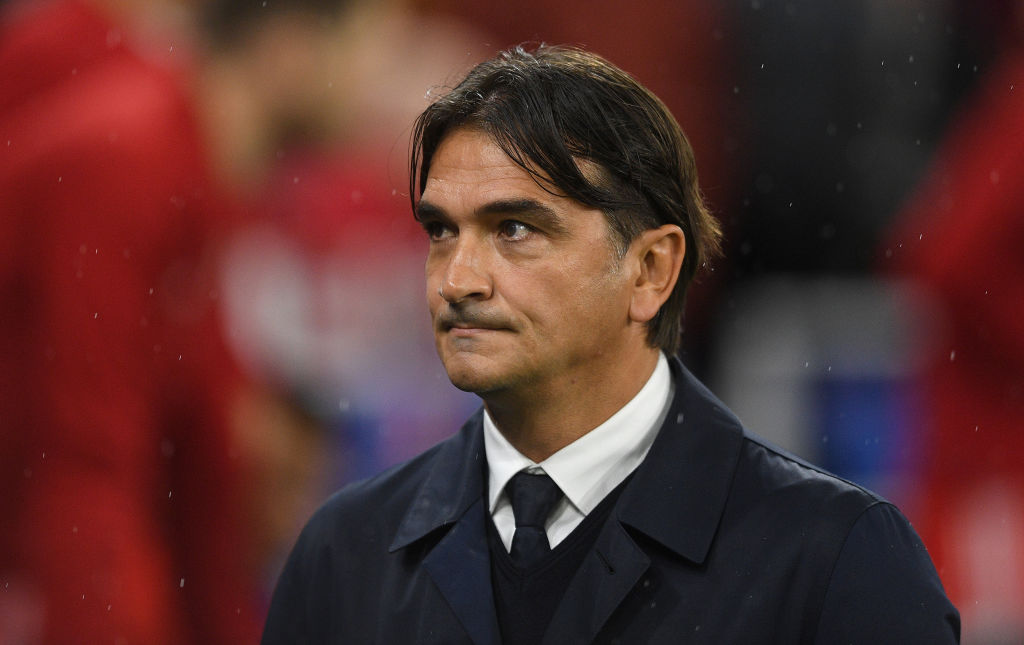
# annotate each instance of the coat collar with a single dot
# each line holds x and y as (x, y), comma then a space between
(676, 497)
(454, 483)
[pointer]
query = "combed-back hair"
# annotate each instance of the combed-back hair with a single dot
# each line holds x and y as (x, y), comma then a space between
(588, 130)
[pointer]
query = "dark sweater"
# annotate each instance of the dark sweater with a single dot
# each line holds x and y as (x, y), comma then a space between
(526, 598)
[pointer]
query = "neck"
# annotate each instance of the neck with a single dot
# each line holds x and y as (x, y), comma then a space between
(539, 424)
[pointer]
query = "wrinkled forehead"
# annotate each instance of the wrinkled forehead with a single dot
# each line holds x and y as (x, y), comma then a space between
(470, 171)
(501, 150)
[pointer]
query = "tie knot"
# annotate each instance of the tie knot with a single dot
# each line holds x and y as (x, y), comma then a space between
(532, 498)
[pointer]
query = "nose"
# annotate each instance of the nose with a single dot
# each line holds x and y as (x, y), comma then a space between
(465, 275)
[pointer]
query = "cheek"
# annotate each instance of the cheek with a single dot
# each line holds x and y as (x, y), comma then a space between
(432, 282)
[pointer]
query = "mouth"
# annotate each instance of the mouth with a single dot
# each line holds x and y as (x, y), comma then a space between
(466, 326)
(467, 329)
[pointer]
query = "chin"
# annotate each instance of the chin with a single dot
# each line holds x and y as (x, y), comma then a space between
(470, 381)
(470, 376)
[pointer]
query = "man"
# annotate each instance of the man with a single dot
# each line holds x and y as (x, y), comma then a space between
(602, 494)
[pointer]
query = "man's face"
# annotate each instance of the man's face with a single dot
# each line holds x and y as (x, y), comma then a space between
(524, 288)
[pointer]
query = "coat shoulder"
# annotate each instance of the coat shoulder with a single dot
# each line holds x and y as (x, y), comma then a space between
(378, 502)
(771, 476)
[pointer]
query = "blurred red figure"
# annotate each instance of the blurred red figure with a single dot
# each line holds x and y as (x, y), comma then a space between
(961, 238)
(119, 507)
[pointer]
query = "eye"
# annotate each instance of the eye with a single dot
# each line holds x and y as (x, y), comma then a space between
(514, 230)
(437, 231)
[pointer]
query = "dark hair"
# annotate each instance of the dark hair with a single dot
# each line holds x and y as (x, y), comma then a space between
(553, 107)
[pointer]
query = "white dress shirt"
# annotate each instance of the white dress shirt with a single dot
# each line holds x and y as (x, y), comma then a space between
(587, 469)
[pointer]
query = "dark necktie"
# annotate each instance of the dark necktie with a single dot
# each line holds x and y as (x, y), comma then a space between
(532, 498)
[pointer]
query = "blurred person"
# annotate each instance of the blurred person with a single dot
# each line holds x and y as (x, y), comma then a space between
(602, 494)
(126, 143)
(959, 238)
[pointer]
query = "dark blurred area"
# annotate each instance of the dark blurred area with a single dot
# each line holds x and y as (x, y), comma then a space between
(211, 285)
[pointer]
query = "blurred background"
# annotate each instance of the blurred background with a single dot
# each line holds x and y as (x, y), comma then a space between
(211, 285)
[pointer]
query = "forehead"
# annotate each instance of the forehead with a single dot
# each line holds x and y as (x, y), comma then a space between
(469, 166)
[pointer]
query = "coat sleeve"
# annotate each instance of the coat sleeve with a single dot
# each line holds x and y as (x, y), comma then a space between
(884, 588)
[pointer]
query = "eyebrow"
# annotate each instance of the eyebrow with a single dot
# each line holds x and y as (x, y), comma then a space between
(540, 214)
(427, 212)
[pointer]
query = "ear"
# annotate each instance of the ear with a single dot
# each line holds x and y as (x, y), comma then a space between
(659, 252)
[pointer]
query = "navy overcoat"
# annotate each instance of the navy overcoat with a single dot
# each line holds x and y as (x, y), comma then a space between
(718, 538)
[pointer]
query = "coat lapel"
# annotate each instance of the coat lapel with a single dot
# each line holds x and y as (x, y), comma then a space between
(605, 577)
(676, 497)
(460, 566)
(451, 498)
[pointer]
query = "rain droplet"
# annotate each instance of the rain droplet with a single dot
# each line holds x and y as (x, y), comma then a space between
(952, 355)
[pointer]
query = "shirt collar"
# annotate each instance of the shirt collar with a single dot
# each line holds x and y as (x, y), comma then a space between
(590, 467)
